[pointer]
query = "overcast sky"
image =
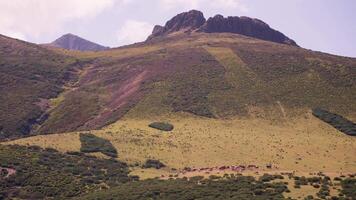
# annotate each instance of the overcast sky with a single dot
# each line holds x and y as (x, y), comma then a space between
(323, 25)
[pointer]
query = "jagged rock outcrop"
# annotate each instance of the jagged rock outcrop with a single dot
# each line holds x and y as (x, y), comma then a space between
(194, 21)
(186, 21)
(245, 26)
(73, 42)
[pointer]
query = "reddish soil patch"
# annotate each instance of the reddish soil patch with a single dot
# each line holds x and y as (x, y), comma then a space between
(120, 95)
(10, 171)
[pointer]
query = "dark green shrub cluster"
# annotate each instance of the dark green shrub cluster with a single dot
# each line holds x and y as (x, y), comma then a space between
(349, 187)
(268, 177)
(153, 164)
(91, 143)
(43, 174)
(337, 121)
(163, 126)
(324, 191)
(239, 187)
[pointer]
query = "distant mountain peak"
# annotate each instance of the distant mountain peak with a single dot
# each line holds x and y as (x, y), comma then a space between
(74, 42)
(194, 21)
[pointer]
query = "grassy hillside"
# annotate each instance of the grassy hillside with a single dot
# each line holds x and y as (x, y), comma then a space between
(231, 101)
(304, 144)
(210, 75)
(29, 76)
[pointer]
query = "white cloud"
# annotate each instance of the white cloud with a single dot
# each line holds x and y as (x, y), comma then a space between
(229, 4)
(133, 31)
(20, 18)
(173, 4)
(197, 4)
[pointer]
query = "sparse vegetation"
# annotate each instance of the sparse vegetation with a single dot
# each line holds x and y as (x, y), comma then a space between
(91, 143)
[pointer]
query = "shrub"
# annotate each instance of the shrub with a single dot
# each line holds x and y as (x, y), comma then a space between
(153, 164)
(91, 143)
(163, 126)
(349, 187)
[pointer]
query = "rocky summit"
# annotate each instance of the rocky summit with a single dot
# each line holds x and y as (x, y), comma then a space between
(186, 21)
(195, 21)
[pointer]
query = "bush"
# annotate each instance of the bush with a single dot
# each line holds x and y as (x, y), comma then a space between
(153, 164)
(163, 126)
(91, 143)
(337, 121)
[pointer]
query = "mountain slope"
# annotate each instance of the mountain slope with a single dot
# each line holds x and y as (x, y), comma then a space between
(73, 42)
(29, 76)
(211, 75)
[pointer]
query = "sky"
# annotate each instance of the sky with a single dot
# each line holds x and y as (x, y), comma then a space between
(321, 25)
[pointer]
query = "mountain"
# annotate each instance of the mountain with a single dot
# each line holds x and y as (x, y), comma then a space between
(73, 42)
(214, 75)
(205, 109)
(194, 21)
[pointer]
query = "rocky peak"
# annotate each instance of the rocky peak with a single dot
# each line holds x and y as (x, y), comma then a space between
(245, 26)
(194, 21)
(186, 21)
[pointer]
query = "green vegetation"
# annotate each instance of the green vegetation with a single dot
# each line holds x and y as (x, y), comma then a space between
(324, 189)
(29, 75)
(163, 126)
(339, 122)
(42, 174)
(269, 177)
(91, 143)
(349, 187)
(239, 187)
(153, 164)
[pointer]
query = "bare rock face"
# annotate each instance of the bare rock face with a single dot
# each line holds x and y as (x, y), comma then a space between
(186, 21)
(73, 42)
(245, 26)
(194, 21)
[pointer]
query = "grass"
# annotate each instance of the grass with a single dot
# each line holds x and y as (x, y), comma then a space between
(302, 144)
(215, 76)
(91, 144)
(210, 75)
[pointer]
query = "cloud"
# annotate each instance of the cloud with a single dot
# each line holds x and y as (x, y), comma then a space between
(20, 18)
(173, 4)
(133, 31)
(229, 4)
(198, 4)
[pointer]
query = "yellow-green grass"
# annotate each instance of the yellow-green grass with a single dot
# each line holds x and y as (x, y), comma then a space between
(302, 144)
